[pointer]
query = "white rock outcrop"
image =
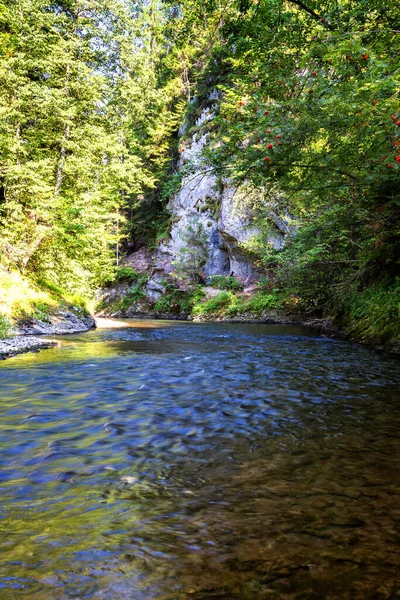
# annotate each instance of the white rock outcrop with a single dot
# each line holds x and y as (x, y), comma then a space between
(213, 205)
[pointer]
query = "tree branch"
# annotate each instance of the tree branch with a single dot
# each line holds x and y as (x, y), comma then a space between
(311, 12)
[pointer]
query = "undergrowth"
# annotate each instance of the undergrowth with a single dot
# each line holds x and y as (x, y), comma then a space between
(178, 302)
(372, 315)
(223, 282)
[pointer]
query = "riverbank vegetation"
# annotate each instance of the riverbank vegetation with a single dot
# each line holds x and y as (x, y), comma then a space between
(92, 97)
(23, 299)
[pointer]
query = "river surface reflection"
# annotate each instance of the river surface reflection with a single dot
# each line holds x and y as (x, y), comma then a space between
(179, 461)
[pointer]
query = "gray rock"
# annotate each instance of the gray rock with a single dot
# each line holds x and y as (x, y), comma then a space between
(18, 344)
(62, 322)
(218, 207)
(142, 260)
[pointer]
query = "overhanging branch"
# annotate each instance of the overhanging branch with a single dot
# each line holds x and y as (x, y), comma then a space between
(311, 12)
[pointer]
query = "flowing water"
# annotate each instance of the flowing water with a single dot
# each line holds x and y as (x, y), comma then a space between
(179, 461)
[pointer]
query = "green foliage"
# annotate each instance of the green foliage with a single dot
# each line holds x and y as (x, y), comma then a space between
(5, 326)
(309, 122)
(134, 294)
(177, 301)
(372, 315)
(23, 298)
(126, 275)
(220, 304)
(229, 304)
(261, 302)
(223, 282)
(80, 104)
(193, 252)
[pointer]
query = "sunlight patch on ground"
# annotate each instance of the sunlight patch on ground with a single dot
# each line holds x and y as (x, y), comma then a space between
(103, 323)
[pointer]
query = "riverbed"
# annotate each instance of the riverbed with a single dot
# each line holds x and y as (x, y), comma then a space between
(176, 461)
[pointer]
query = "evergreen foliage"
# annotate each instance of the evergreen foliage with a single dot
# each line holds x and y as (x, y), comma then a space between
(76, 88)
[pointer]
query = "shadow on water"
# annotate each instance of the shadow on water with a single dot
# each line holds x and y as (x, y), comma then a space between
(178, 461)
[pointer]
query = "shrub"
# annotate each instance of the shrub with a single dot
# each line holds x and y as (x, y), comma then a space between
(5, 327)
(373, 314)
(224, 282)
(178, 301)
(219, 304)
(126, 275)
(261, 302)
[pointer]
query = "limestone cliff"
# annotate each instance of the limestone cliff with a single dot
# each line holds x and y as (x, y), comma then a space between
(211, 207)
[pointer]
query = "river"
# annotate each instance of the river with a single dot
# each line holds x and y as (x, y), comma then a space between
(177, 461)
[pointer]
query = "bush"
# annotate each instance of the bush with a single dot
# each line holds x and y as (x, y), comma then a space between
(372, 315)
(220, 304)
(261, 302)
(224, 282)
(5, 327)
(126, 275)
(177, 301)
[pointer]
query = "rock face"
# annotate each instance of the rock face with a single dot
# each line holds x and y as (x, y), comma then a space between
(208, 213)
(212, 205)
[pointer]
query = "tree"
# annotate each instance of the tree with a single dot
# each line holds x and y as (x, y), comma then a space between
(73, 89)
(193, 252)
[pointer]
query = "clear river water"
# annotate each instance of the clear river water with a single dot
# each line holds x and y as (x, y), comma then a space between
(188, 461)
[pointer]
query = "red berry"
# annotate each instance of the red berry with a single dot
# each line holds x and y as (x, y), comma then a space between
(266, 112)
(270, 146)
(393, 117)
(390, 166)
(267, 159)
(323, 20)
(267, 131)
(278, 137)
(256, 109)
(314, 73)
(398, 123)
(398, 159)
(240, 103)
(348, 57)
(396, 143)
(310, 91)
(280, 143)
(375, 102)
(280, 81)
